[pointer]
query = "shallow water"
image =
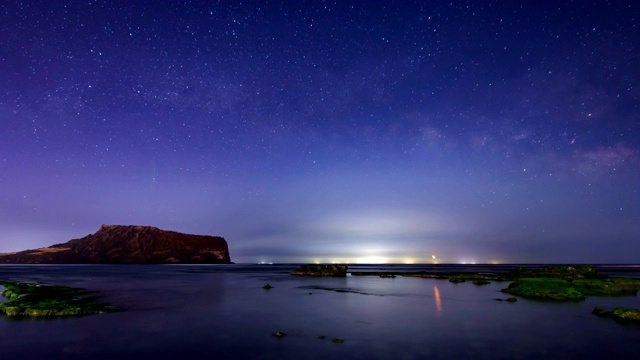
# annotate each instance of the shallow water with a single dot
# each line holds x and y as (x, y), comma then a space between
(222, 311)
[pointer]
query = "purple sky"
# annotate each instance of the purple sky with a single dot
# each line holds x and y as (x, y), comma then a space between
(477, 131)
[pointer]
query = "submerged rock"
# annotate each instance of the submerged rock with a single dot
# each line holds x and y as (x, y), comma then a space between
(511, 299)
(279, 334)
(598, 311)
(480, 282)
(267, 287)
(321, 270)
(32, 300)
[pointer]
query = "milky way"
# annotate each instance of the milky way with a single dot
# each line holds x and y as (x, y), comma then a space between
(400, 131)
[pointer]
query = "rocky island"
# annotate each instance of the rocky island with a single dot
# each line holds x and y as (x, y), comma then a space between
(120, 244)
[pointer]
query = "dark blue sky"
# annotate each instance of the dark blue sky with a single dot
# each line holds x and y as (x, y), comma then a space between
(475, 131)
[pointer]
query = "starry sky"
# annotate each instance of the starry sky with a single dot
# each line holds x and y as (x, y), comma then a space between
(330, 131)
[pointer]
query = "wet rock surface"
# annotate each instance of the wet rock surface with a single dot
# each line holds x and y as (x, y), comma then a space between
(321, 270)
(43, 301)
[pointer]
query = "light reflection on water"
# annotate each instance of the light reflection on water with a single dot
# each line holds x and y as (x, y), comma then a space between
(223, 312)
(436, 294)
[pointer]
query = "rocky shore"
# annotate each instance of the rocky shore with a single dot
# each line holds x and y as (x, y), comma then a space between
(555, 283)
(43, 301)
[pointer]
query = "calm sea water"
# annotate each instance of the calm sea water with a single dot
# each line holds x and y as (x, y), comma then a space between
(222, 312)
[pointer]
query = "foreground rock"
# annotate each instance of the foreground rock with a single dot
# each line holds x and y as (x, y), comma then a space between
(547, 289)
(321, 270)
(31, 300)
(568, 283)
(118, 244)
(619, 313)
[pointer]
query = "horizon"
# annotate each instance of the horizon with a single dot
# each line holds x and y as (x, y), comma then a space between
(394, 130)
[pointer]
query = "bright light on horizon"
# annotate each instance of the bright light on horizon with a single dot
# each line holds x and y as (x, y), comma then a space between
(372, 260)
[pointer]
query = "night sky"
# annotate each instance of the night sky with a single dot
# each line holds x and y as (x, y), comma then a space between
(367, 131)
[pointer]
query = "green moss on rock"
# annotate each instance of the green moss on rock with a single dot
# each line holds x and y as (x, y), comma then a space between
(321, 270)
(545, 289)
(607, 287)
(626, 313)
(559, 289)
(33, 300)
(619, 313)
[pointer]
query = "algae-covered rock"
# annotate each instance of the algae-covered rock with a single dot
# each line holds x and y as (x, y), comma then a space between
(559, 289)
(545, 289)
(321, 270)
(626, 313)
(33, 300)
(619, 313)
(607, 287)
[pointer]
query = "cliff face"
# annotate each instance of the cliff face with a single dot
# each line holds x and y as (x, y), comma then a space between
(118, 244)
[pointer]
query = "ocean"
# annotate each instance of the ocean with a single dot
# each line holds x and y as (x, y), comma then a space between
(223, 312)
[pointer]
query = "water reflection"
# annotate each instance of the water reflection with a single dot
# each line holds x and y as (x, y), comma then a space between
(436, 294)
(219, 309)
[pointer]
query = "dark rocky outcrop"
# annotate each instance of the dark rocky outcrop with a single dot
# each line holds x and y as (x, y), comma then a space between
(558, 271)
(118, 244)
(321, 270)
(480, 282)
